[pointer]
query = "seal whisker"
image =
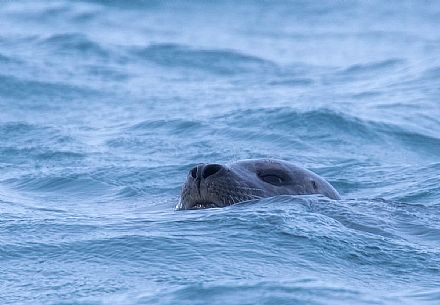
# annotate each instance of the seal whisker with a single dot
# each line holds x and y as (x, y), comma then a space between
(247, 187)
(254, 196)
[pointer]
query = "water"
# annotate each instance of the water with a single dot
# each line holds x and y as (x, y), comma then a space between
(105, 106)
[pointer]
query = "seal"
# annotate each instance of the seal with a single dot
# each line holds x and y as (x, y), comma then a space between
(216, 185)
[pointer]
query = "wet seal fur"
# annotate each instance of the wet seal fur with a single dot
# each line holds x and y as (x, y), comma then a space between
(216, 185)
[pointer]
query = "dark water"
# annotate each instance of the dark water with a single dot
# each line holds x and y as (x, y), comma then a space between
(105, 106)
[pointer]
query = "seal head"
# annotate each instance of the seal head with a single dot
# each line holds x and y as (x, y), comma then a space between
(216, 185)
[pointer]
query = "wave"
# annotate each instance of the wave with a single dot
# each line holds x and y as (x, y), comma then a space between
(134, 4)
(27, 90)
(70, 43)
(420, 186)
(305, 290)
(289, 118)
(326, 125)
(217, 61)
(374, 67)
(319, 240)
(7, 59)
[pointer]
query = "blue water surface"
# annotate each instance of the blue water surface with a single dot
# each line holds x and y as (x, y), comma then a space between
(106, 105)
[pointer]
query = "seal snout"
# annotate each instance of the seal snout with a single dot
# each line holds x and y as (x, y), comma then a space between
(202, 186)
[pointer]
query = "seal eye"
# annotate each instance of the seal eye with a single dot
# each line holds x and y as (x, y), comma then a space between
(272, 179)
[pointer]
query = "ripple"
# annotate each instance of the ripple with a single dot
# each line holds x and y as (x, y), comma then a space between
(292, 82)
(176, 126)
(26, 143)
(73, 185)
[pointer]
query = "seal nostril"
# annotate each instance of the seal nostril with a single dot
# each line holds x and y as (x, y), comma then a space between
(194, 172)
(210, 169)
